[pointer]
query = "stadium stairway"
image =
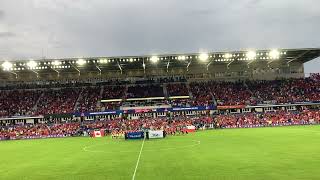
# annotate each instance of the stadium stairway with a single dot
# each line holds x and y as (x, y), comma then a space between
(190, 93)
(100, 97)
(165, 91)
(77, 101)
(125, 93)
(35, 107)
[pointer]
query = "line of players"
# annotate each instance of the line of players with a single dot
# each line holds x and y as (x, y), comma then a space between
(119, 134)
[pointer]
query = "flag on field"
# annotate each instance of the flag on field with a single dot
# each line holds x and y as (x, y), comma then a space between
(97, 133)
(190, 129)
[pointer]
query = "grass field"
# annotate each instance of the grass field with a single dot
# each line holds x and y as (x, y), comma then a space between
(258, 153)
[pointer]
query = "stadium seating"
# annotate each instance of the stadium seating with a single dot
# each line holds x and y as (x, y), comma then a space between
(77, 128)
(143, 91)
(170, 125)
(178, 89)
(69, 97)
(18, 102)
(202, 93)
(275, 118)
(58, 101)
(112, 92)
(39, 130)
(88, 99)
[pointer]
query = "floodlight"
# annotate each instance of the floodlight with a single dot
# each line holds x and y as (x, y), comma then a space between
(251, 55)
(31, 64)
(154, 59)
(81, 62)
(103, 60)
(203, 57)
(131, 60)
(182, 58)
(56, 63)
(227, 55)
(274, 54)
(7, 66)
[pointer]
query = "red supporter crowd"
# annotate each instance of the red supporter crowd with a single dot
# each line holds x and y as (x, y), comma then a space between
(68, 100)
(179, 89)
(170, 125)
(113, 92)
(39, 130)
(276, 118)
(18, 102)
(116, 125)
(58, 101)
(88, 100)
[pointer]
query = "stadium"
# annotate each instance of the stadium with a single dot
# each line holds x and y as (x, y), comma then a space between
(212, 115)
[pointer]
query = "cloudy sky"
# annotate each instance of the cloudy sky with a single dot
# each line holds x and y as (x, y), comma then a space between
(74, 28)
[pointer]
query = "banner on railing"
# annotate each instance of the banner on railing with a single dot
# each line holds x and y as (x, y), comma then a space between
(231, 107)
(134, 135)
(155, 134)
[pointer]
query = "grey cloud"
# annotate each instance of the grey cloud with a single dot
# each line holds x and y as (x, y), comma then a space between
(1, 14)
(107, 28)
(6, 34)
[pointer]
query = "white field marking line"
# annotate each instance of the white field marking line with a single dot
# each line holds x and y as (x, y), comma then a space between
(149, 150)
(135, 170)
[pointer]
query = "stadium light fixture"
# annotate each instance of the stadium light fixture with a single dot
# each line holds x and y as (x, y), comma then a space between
(56, 63)
(32, 64)
(227, 55)
(251, 55)
(182, 58)
(203, 57)
(274, 54)
(154, 59)
(103, 61)
(81, 62)
(7, 66)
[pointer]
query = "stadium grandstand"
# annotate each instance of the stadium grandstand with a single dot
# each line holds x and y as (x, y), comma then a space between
(158, 96)
(114, 86)
(139, 87)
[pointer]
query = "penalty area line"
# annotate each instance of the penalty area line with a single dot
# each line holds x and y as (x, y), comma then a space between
(135, 170)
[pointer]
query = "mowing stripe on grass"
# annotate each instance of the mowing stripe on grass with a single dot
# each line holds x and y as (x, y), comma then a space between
(135, 170)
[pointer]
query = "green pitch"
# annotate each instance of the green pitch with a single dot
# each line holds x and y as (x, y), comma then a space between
(258, 153)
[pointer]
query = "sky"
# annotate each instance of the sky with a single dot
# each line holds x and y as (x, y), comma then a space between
(81, 28)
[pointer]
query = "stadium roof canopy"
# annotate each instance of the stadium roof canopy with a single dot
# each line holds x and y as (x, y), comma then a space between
(165, 61)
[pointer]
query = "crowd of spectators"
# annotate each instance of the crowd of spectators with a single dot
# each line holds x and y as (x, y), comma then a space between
(168, 124)
(58, 101)
(70, 96)
(112, 92)
(285, 91)
(143, 91)
(115, 125)
(257, 92)
(18, 102)
(275, 118)
(177, 89)
(89, 98)
(202, 93)
(224, 93)
(39, 130)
